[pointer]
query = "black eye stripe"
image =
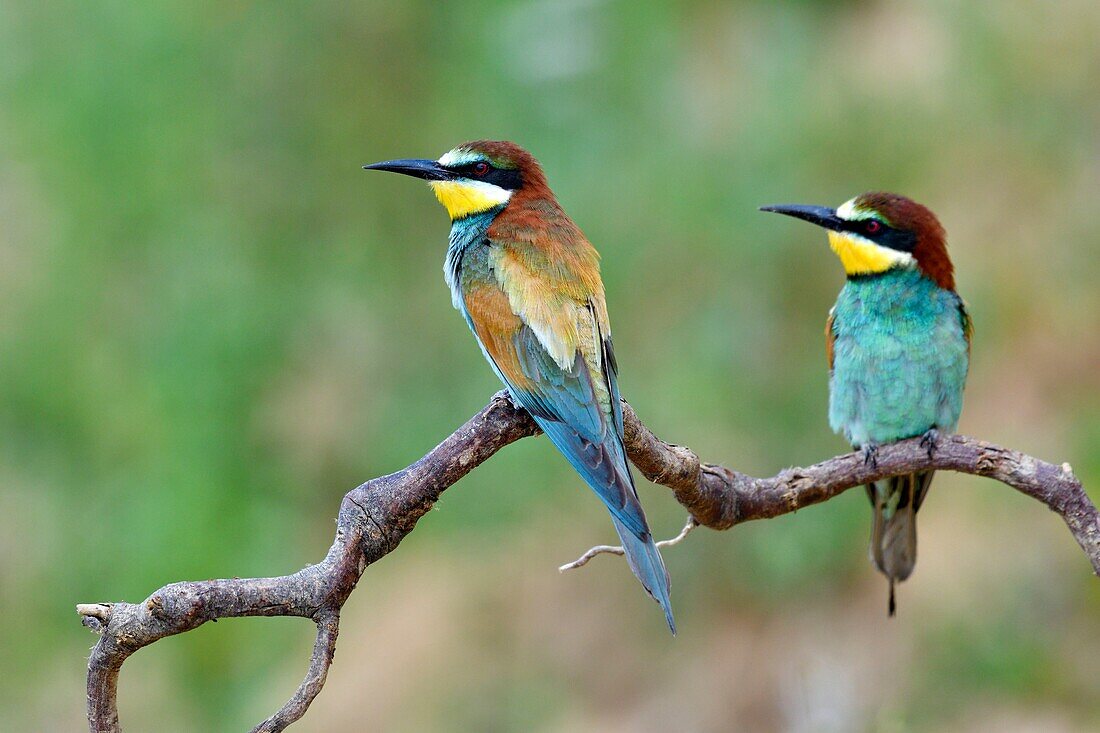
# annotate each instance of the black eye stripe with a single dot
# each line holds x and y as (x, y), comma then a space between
(886, 235)
(509, 179)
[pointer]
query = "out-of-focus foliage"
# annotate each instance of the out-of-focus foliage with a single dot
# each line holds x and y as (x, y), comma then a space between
(212, 324)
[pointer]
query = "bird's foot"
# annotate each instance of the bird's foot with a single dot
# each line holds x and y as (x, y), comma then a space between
(507, 394)
(870, 455)
(930, 441)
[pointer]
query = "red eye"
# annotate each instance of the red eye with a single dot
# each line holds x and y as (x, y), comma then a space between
(481, 168)
(872, 227)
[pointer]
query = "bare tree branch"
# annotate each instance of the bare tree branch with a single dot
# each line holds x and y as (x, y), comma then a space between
(375, 517)
(720, 497)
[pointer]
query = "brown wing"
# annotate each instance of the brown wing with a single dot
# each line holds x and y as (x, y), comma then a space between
(830, 338)
(967, 324)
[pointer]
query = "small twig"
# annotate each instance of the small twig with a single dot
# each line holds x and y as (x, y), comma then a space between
(94, 615)
(618, 550)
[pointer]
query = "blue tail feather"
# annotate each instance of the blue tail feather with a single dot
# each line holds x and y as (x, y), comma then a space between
(604, 468)
(645, 562)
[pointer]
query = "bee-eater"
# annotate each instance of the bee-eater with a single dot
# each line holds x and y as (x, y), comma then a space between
(898, 345)
(528, 283)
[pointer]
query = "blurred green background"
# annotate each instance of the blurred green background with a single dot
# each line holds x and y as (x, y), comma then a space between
(213, 324)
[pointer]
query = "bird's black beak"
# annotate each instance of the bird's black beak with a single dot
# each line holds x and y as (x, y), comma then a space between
(823, 216)
(429, 170)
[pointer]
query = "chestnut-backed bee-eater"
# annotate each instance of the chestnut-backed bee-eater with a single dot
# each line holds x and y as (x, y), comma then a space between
(898, 345)
(528, 283)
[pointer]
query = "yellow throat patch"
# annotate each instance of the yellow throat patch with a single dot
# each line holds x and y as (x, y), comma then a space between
(463, 198)
(861, 257)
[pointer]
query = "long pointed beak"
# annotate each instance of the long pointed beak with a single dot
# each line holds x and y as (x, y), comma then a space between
(429, 170)
(823, 216)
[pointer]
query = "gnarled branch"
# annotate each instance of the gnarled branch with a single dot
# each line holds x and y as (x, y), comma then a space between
(376, 516)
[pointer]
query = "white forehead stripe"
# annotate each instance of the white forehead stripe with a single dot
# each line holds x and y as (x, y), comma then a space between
(850, 212)
(458, 156)
(847, 210)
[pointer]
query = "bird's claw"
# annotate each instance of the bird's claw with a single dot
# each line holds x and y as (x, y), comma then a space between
(870, 455)
(515, 403)
(930, 441)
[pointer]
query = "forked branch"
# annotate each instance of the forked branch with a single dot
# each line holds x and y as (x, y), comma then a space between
(375, 517)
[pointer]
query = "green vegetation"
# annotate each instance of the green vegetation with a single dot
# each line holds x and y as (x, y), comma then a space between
(212, 324)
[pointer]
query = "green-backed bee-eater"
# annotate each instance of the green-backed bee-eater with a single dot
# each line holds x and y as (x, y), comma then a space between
(898, 345)
(528, 283)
